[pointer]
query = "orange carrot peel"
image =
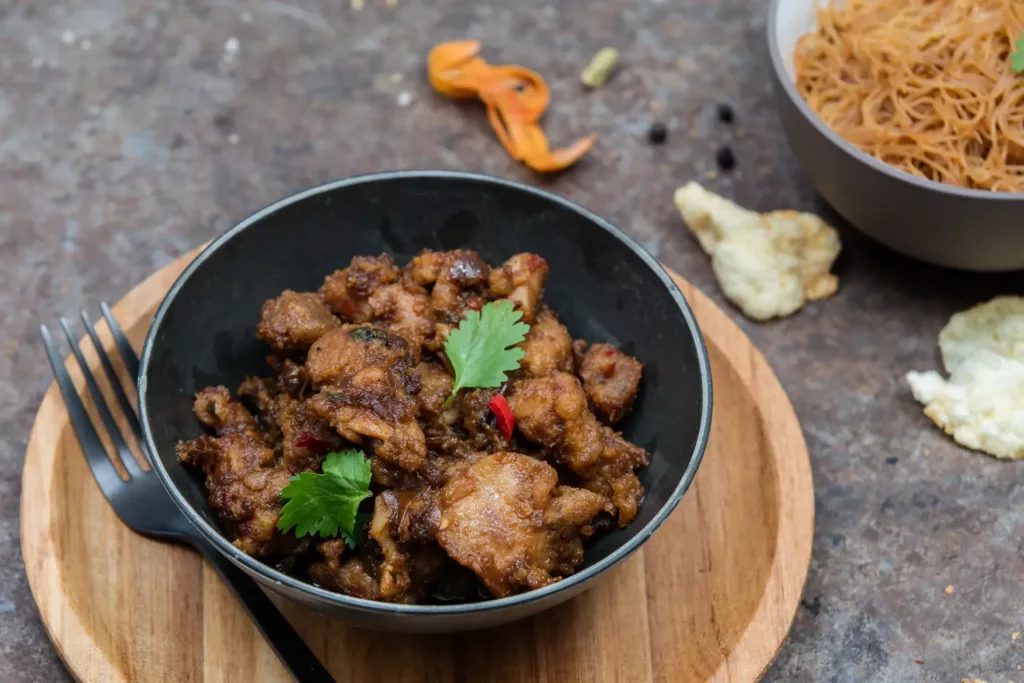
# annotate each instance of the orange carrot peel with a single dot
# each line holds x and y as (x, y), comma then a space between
(515, 98)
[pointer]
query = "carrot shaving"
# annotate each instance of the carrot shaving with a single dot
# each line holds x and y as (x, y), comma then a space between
(515, 98)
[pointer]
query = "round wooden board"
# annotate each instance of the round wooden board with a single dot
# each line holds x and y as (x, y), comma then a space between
(710, 597)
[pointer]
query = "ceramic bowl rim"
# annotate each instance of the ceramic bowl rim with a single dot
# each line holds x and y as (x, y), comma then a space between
(789, 87)
(322, 595)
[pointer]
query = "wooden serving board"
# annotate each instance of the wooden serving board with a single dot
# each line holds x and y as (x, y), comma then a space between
(710, 597)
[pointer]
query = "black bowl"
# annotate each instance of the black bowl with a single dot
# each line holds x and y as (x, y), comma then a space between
(603, 286)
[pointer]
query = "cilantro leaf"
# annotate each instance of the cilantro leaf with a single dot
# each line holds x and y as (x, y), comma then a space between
(1017, 56)
(355, 537)
(479, 347)
(327, 504)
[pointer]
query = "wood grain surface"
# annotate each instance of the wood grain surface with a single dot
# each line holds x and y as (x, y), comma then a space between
(710, 597)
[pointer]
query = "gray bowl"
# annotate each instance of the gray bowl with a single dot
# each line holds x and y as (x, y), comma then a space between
(602, 284)
(941, 224)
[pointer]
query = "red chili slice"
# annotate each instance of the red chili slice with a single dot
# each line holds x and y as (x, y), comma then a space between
(312, 442)
(506, 420)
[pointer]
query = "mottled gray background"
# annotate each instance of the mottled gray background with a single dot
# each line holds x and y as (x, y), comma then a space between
(129, 134)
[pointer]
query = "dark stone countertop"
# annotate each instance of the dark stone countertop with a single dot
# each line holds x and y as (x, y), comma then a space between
(129, 135)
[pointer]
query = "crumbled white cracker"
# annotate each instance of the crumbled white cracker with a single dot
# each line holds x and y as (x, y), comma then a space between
(981, 405)
(769, 264)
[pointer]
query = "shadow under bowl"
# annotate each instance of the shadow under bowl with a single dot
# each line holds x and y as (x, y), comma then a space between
(604, 287)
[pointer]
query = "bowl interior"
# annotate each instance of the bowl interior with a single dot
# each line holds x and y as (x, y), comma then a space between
(793, 19)
(603, 288)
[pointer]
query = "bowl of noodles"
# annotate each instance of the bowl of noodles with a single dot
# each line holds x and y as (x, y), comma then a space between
(908, 116)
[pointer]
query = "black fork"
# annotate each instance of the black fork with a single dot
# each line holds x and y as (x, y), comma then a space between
(141, 501)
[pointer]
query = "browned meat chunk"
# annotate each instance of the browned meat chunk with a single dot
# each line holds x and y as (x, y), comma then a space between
(552, 411)
(347, 292)
(215, 408)
(305, 436)
(397, 441)
(610, 377)
(355, 575)
(521, 281)
(435, 388)
(245, 483)
(293, 321)
(366, 378)
(401, 520)
(459, 281)
(503, 518)
(478, 420)
(351, 349)
(404, 309)
(547, 347)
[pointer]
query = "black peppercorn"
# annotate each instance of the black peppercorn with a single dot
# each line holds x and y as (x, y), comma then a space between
(657, 133)
(726, 159)
(725, 113)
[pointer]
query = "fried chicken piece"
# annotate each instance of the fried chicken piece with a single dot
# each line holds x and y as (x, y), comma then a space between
(547, 347)
(435, 388)
(610, 377)
(398, 442)
(552, 411)
(293, 321)
(479, 422)
(400, 520)
(289, 377)
(356, 575)
(347, 292)
(504, 518)
(404, 309)
(521, 281)
(214, 407)
(459, 280)
(305, 436)
(244, 482)
(365, 376)
(351, 349)
(260, 394)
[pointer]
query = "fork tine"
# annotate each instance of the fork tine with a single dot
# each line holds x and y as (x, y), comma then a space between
(103, 470)
(124, 347)
(115, 382)
(123, 452)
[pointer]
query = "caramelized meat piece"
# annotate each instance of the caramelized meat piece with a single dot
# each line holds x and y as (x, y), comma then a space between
(479, 422)
(521, 281)
(347, 292)
(401, 519)
(289, 377)
(610, 378)
(355, 576)
(293, 321)
(435, 388)
(503, 518)
(305, 436)
(244, 482)
(552, 411)
(351, 349)
(261, 394)
(366, 378)
(404, 309)
(459, 279)
(215, 408)
(547, 347)
(398, 442)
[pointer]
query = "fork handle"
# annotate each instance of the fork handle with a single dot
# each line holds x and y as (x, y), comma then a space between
(289, 646)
